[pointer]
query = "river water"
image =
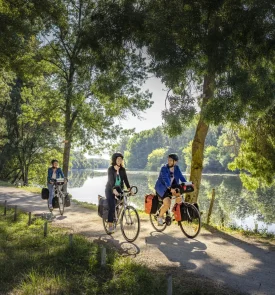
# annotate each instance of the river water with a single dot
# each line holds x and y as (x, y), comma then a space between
(234, 206)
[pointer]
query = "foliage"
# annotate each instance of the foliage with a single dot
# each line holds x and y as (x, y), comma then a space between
(256, 155)
(156, 159)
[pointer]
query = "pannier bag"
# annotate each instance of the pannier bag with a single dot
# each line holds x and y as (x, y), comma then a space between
(45, 193)
(187, 187)
(67, 201)
(151, 204)
(184, 212)
(103, 207)
(55, 202)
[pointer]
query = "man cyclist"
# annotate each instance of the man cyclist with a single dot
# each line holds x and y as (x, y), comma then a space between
(168, 180)
(54, 172)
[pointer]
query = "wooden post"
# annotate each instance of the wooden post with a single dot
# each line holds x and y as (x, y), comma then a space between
(30, 218)
(103, 256)
(5, 208)
(211, 206)
(71, 240)
(15, 213)
(45, 229)
(169, 285)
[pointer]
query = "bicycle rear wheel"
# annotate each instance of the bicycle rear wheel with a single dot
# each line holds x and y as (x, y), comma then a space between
(192, 225)
(61, 203)
(130, 224)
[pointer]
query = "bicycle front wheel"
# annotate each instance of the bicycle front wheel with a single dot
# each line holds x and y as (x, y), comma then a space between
(130, 224)
(154, 222)
(61, 203)
(191, 226)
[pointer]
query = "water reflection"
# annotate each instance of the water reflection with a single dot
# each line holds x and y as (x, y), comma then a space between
(233, 204)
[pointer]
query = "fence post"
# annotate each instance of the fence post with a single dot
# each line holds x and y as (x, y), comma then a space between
(30, 218)
(70, 240)
(45, 229)
(211, 206)
(5, 208)
(169, 285)
(15, 213)
(103, 256)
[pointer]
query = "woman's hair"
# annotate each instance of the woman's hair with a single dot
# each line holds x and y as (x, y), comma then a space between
(114, 157)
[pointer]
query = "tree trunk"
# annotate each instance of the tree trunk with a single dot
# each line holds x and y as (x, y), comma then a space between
(199, 140)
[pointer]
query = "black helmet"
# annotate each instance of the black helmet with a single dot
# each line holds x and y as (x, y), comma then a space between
(54, 160)
(174, 157)
(115, 156)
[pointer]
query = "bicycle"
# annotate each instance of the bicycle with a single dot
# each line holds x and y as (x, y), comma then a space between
(127, 216)
(57, 186)
(191, 224)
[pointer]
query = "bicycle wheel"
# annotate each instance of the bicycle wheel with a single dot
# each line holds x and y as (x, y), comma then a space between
(61, 203)
(154, 222)
(106, 225)
(192, 225)
(130, 224)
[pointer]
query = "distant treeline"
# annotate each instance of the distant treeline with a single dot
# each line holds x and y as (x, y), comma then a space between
(79, 161)
(149, 149)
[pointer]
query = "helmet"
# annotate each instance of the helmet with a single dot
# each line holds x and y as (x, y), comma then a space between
(174, 157)
(116, 155)
(54, 160)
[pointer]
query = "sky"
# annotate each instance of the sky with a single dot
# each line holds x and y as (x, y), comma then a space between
(151, 118)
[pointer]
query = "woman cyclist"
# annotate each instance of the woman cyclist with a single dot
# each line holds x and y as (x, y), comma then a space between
(168, 180)
(117, 177)
(54, 172)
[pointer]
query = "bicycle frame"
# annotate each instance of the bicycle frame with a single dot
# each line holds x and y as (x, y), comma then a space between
(120, 206)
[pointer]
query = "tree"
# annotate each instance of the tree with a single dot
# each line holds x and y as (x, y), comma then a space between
(256, 157)
(98, 78)
(30, 131)
(216, 54)
(156, 159)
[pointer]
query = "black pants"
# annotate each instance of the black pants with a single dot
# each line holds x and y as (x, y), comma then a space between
(111, 203)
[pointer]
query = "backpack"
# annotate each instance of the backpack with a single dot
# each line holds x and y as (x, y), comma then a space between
(67, 201)
(45, 193)
(184, 212)
(151, 204)
(103, 207)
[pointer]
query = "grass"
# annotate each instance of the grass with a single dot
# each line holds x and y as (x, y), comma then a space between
(31, 189)
(85, 205)
(5, 183)
(261, 235)
(31, 264)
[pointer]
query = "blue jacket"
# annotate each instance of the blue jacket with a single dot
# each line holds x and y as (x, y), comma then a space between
(164, 180)
(59, 173)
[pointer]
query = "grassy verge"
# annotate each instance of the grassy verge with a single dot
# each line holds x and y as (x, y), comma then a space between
(31, 264)
(245, 233)
(5, 183)
(85, 205)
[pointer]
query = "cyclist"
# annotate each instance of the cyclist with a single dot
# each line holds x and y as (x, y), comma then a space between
(168, 180)
(116, 178)
(54, 172)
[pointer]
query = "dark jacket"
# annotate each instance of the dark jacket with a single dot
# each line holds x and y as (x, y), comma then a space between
(112, 178)
(59, 173)
(164, 180)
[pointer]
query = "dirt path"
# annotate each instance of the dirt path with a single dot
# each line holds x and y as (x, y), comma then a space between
(244, 265)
